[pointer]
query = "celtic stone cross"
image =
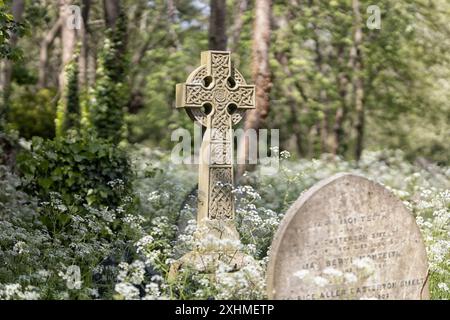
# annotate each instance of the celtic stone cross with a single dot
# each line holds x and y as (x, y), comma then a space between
(216, 96)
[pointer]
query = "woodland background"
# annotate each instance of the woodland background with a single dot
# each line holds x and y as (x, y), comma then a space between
(331, 84)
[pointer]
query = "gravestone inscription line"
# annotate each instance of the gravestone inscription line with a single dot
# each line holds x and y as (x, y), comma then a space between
(216, 96)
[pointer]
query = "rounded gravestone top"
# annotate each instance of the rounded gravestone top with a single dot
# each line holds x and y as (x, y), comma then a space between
(347, 238)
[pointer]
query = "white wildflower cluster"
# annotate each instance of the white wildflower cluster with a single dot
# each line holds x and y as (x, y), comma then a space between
(117, 184)
(157, 196)
(186, 239)
(246, 283)
(146, 246)
(14, 291)
(132, 277)
(285, 154)
(20, 248)
(126, 291)
(443, 286)
(133, 273)
(154, 289)
(55, 203)
(432, 208)
(247, 192)
(154, 196)
(211, 243)
(107, 215)
(134, 221)
(143, 243)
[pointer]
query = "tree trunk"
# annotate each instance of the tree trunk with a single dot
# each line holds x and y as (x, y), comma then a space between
(112, 11)
(91, 64)
(172, 18)
(46, 43)
(341, 112)
(17, 9)
(217, 36)
(322, 124)
(84, 50)
(238, 23)
(68, 39)
(260, 73)
(358, 83)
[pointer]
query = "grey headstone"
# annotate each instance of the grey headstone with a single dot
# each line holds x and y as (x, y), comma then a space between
(348, 238)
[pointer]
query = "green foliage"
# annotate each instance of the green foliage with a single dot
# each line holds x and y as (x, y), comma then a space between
(175, 51)
(153, 121)
(23, 76)
(8, 50)
(68, 110)
(400, 59)
(7, 27)
(33, 113)
(110, 95)
(40, 241)
(8, 148)
(84, 171)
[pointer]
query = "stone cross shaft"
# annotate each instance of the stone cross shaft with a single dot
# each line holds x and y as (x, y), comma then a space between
(216, 96)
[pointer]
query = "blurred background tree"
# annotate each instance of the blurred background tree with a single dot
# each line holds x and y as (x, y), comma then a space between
(337, 86)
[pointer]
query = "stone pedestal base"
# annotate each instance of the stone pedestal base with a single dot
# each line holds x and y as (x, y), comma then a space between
(208, 263)
(217, 242)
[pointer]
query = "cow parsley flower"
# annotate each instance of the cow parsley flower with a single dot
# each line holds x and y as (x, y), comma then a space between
(127, 291)
(443, 286)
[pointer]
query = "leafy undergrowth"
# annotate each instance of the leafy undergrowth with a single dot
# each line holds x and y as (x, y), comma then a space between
(77, 262)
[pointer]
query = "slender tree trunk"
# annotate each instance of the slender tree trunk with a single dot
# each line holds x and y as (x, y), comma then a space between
(112, 11)
(238, 23)
(172, 18)
(17, 9)
(45, 45)
(322, 124)
(68, 39)
(217, 29)
(91, 64)
(84, 50)
(341, 112)
(358, 81)
(260, 73)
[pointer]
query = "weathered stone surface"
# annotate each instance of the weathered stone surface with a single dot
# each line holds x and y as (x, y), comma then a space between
(218, 86)
(215, 96)
(343, 227)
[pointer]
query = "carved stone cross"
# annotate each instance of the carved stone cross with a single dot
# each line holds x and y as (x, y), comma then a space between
(216, 95)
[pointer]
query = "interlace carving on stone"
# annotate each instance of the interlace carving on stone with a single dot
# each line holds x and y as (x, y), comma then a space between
(221, 203)
(216, 84)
